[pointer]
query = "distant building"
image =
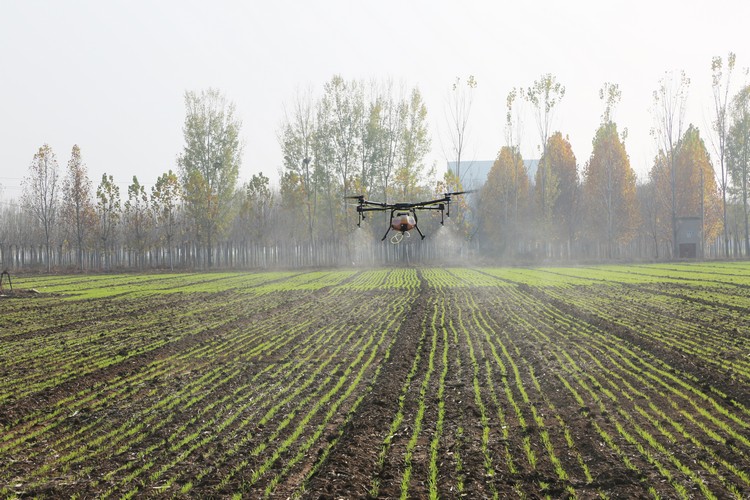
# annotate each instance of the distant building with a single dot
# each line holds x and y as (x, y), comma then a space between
(689, 237)
(473, 174)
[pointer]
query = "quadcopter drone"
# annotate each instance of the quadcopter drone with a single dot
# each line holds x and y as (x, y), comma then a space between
(404, 215)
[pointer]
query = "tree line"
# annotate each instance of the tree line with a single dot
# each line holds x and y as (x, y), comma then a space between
(371, 139)
(602, 210)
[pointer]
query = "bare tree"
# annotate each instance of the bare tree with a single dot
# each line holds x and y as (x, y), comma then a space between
(458, 110)
(40, 194)
(669, 112)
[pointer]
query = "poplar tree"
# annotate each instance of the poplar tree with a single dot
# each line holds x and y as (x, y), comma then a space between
(40, 194)
(108, 212)
(564, 170)
(458, 110)
(609, 187)
(209, 164)
(415, 144)
(138, 218)
(78, 209)
(697, 191)
(738, 157)
(297, 140)
(165, 196)
(504, 201)
(669, 112)
(720, 85)
(544, 95)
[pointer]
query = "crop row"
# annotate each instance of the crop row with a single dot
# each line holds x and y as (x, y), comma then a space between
(635, 400)
(222, 409)
(555, 396)
(568, 382)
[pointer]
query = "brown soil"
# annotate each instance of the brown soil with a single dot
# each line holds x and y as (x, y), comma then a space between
(495, 415)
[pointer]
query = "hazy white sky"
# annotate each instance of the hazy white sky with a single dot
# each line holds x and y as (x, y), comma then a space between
(110, 76)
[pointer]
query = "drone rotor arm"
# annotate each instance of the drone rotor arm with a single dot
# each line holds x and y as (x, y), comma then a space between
(362, 209)
(379, 204)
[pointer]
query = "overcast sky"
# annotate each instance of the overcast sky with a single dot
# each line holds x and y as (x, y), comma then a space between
(110, 76)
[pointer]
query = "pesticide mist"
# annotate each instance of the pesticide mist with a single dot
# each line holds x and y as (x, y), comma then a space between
(448, 243)
(360, 244)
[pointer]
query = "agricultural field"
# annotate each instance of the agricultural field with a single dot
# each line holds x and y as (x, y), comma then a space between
(578, 382)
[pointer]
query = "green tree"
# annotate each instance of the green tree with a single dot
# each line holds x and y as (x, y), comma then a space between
(720, 85)
(339, 137)
(388, 114)
(292, 193)
(209, 164)
(415, 144)
(257, 206)
(738, 153)
(108, 212)
(40, 194)
(165, 198)
(78, 209)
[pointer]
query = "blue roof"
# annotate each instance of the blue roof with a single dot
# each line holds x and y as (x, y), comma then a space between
(473, 174)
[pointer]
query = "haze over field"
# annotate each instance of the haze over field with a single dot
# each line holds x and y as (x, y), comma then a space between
(111, 76)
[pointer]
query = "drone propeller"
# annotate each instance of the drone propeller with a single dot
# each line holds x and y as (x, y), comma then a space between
(448, 199)
(456, 193)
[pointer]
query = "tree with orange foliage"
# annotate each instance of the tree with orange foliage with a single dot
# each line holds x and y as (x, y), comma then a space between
(696, 193)
(669, 112)
(563, 168)
(609, 190)
(503, 206)
(544, 95)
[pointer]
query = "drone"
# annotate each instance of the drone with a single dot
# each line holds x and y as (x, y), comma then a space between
(404, 215)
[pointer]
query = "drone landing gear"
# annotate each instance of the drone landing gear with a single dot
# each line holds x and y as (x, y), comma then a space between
(396, 238)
